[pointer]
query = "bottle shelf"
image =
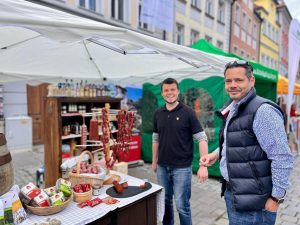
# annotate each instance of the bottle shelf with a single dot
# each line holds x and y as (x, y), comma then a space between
(71, 114)
(112, 117)
(70, 136)
(56, 120)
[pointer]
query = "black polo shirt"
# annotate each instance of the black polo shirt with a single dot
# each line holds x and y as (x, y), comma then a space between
(175, 129)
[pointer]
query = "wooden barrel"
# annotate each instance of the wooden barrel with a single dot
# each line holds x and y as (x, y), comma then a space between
(6, 168)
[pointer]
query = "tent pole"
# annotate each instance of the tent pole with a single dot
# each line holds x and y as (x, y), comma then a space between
(91, 58)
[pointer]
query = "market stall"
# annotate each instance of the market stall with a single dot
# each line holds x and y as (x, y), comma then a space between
(89, 193)
(142, 208)
(282, 86)
(40, 44)
(294, 127)
(44, 45)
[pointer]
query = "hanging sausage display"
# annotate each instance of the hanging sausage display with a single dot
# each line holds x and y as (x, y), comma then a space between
(125, 122)
(105, 134)
(94, 134)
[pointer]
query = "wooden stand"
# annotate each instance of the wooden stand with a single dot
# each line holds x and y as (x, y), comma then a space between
(53, 121)
(141, 212)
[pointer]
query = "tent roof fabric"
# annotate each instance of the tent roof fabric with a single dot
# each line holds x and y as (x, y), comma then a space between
(259, 70)
(40, 44)
(282, 86)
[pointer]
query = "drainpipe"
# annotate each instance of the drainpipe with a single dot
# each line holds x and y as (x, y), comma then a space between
(259, 34)
(230, 26)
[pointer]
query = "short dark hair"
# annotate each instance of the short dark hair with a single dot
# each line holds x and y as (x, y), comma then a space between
(169, 81)
(240, 63)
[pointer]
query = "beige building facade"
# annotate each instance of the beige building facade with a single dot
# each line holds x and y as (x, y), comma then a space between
(194, 19)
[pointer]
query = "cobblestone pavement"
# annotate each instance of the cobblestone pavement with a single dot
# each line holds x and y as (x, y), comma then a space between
(207, 206)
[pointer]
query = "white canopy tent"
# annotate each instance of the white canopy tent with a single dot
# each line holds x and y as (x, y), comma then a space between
(40, 44)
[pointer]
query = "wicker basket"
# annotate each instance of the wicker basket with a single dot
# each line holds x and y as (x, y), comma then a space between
(45, 211)
(77, 178)
(82, 197)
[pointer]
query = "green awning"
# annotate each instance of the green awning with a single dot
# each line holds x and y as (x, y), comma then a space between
(260, 71)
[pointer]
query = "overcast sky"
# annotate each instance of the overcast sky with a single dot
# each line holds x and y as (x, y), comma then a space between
(294, 8)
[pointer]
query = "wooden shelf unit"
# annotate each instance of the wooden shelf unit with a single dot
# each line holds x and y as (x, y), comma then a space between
(53, 121)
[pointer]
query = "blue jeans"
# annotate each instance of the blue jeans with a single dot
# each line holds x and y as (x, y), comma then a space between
(177, 182)
(260, 217)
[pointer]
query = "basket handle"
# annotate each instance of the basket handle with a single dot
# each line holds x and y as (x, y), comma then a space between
(81, 157)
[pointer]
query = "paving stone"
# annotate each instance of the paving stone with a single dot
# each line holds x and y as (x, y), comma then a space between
(221, 221)
(291, 219)
(287, 223)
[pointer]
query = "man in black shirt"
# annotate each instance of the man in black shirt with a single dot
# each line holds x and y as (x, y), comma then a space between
(175, 127)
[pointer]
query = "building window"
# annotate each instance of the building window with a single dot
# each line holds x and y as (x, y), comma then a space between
(269, 30)
(82, 3)
(92, 5)
(237, 14)
(277, 17)
(264, 27)
(164, 35)
(249, 25)
(179, 34)
(242, 54)
(208, 39)
(244, 21)
(250, 4)
(220, 45)
(194, 36)
(113, 13)
(196, 3)
(271, 63)
(235, 49)
(254, 31)
(141, 25)
(209, 7)
(273, 34)
(120, 10)
(221, 11)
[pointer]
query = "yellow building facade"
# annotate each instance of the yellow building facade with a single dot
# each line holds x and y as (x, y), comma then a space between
(269, 39)
(208, 19)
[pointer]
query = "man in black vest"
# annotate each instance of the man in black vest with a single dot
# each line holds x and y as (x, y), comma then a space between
(255, 160)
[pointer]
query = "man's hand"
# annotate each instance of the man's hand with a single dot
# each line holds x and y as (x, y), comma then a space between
(209, 159)
(202, 174)
(154, 166)
(271, 205)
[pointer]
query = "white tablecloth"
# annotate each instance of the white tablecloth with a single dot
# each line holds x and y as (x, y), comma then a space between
(73, 215)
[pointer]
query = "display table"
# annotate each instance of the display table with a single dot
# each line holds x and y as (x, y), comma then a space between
(145, 208)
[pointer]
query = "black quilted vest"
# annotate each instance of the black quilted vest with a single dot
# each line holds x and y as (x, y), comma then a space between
(249, 169)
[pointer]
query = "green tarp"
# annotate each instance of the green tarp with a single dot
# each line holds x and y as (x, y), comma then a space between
(204, 96)
(266, 78)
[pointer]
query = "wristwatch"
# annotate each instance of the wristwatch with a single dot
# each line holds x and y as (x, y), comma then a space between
(277, 200)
